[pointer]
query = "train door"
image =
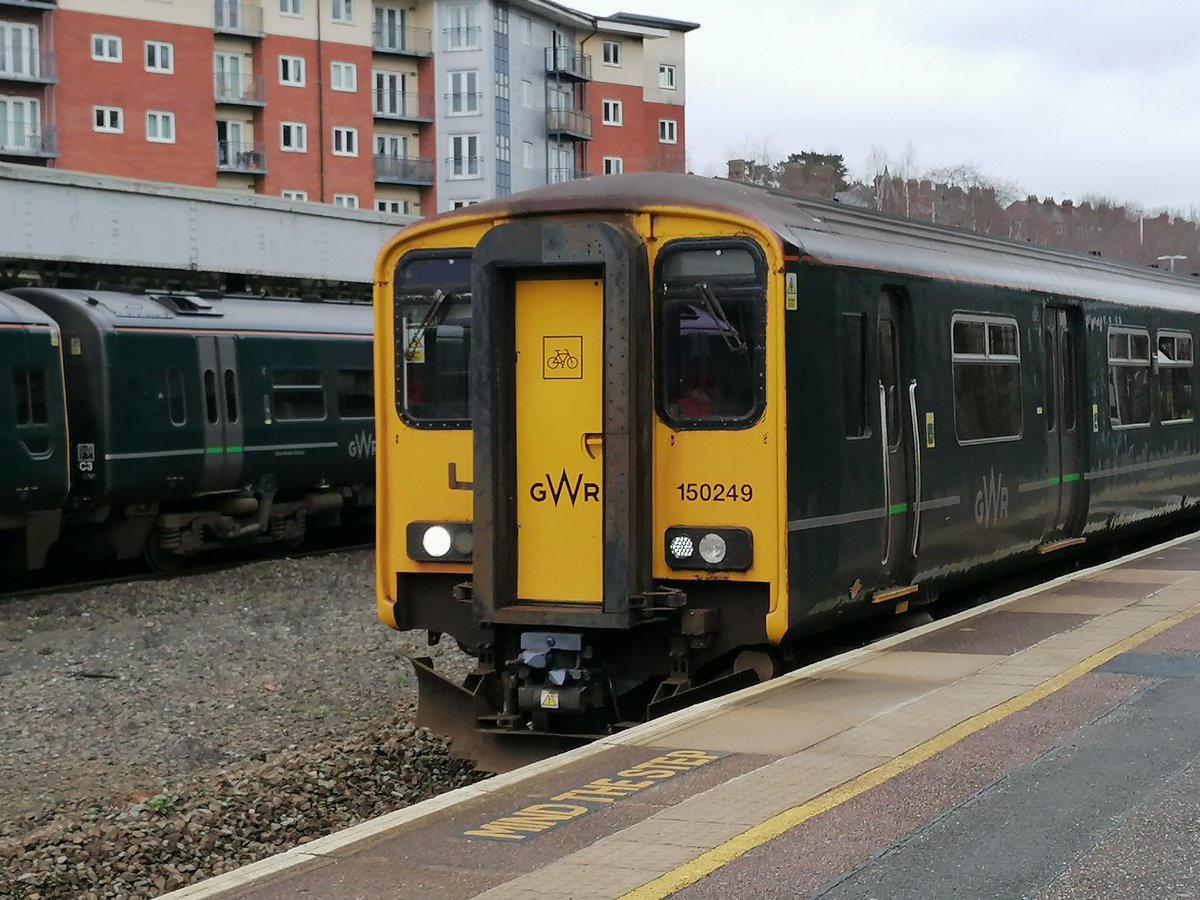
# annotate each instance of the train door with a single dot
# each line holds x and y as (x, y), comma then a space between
(559, 441)
(897, 447)
(223, 422)
(1063, 431)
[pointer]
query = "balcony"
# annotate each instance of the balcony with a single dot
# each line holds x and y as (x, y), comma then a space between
(16, 139)
(463, 104)
(241, 159)
(464, 38)
(557, 176)
(569, 123)
(245, 19)
(398, 106)
(402, 41)
(28, 65)
(409, 170)
(239, 90)
(566, 62)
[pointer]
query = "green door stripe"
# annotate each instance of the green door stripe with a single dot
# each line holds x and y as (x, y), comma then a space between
(211, 450)
(1074, 476)
(896, 508)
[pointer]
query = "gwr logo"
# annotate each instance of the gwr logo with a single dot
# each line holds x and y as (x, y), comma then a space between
(540, 491)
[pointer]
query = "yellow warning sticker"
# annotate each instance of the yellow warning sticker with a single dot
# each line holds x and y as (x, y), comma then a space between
(549, 699)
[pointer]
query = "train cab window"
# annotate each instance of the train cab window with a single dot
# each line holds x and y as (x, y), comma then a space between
(355, 394)
(176, 399)
(433, 340)
(711, 333)
(211, 408)
(986, 353)
(29, 396)
(854, 374)
(231, 396)
(1129, 376)
(297, 394)
(1174, 364)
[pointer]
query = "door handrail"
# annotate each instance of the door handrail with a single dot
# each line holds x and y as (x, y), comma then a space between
(916, 503)
(887, 479)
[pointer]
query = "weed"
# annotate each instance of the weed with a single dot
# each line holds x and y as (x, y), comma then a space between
(161, 803)
(400, 679)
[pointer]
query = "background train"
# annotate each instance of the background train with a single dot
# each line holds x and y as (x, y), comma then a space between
(164, 423)
(785, 414)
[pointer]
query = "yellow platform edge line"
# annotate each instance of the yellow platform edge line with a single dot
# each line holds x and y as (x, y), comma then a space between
(691, 872)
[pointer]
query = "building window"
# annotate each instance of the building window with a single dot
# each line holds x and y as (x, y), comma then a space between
(289, 7)
(393, 146)
(109, 119)
(293, 137)
(160, 57)
(526, 154)
(526, 30)
(463, 33)
(614, 112)
(667, 132)
(20, 123)
(464, 156)
(343, 11)
(666, 77)
(300, 196)
(106, 48)
(395, 207)
(612, 53)
(345, 141)
(613, 165)
(464, 93)
(346, 201)
(160, 127)
(462, 204)
(19, 50)
(343, 76)
(291, 70)
(527, 94)
(987, 378)
(1129, 376)
(1174, 377)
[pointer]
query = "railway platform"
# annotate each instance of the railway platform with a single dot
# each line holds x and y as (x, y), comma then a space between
(1044, 745)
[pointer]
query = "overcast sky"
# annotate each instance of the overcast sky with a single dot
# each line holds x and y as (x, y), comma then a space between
(1063, 98)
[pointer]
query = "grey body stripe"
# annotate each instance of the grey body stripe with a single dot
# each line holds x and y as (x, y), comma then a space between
(322, 446)
(154, 455)
(1034, 486)
(941, 503)
(1138, 467)
(862, 515)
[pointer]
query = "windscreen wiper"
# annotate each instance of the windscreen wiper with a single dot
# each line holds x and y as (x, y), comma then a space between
(432, 317)
(732, 337)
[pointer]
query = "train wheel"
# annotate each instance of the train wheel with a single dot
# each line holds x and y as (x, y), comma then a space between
(160, 560)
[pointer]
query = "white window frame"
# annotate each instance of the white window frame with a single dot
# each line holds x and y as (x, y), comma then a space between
(346, 201)
(297, 196)
(472, 163)
(666, 77)
(527, 94)
(23, 58)
(613, 113)
(102, 44)
(157, 50)
(292, 8)
(668, 131)
(458, 83)
(345, 141)
(114, 119)
(612, 54)
(20, 133)
(526, 30)
(463, 30)
(527, 154)
(614, 165)
(462, 204)
(343, 11)
(394, 207)
(160, 118)
(299, 143)
(343, 76)
(291, 70)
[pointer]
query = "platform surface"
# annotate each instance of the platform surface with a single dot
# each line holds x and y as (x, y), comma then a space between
(1045, 745)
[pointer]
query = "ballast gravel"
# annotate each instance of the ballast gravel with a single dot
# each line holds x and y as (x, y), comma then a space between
(156, 733)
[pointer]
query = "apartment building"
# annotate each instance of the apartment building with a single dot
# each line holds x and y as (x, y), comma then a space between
(405, 106)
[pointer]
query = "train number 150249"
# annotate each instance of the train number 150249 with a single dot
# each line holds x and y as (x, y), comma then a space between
(691, 491)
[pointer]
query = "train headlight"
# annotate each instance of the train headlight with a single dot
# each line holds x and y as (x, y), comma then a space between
(440, 541)
(709, 549)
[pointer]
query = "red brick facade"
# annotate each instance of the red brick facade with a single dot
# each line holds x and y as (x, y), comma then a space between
(636, 141)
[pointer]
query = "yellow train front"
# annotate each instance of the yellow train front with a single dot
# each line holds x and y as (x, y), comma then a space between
(580, 462)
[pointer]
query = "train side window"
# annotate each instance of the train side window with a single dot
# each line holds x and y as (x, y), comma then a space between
(355, 394)
(1174, 360)
(297, 394)
(986, 354)
(1129, 376)
(231, 396)
(212, 410)
(854, 374)
(176, 398)
(1051, 379)
(29, 396)
(889, 376)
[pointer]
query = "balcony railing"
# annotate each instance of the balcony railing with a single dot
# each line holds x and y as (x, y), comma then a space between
(465, 38)
(241, 89)
(464, 167)
(238, 18)
(397, 105)
(555, 176)
(27, 64)
(18, 139)
(463, 104)
(248, 159)
(403, 170)
(404, 41)
(567, 62)
(571, 123)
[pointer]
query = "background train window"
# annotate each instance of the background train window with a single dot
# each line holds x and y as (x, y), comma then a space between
(1174, 360)
(854, 374)
(231, 396)
(1129, 376)
(355, 394)
(297, 394)
(711, 318)
(176, 400)
(210, 396)
(987, 378)
(433, 340)
(29, 396)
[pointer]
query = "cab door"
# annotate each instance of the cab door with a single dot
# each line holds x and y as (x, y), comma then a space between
(897, 444)
(559, 440)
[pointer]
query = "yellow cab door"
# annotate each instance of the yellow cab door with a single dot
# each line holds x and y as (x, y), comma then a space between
(559, 441)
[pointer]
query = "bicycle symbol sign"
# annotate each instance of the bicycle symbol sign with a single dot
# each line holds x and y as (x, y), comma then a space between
(562, 356)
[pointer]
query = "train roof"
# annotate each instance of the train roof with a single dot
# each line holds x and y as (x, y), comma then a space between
(190, 312)
(15, 311)
(832, 234)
